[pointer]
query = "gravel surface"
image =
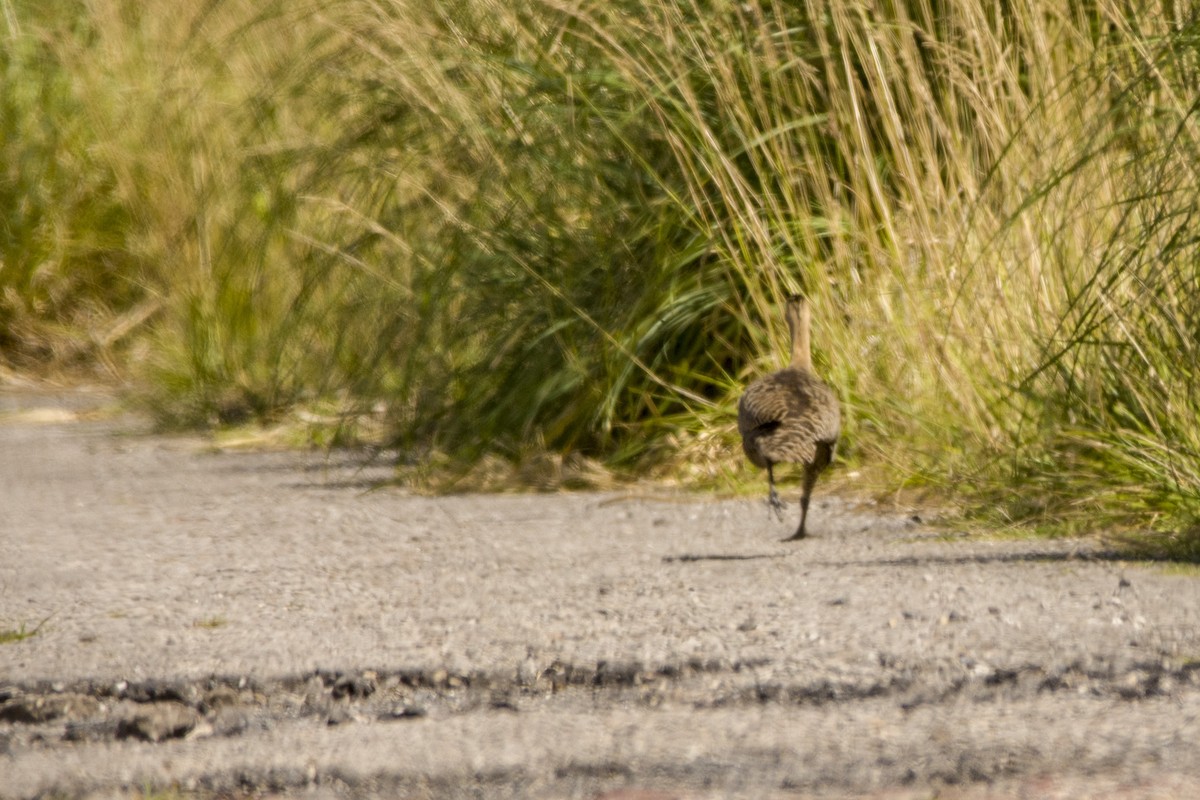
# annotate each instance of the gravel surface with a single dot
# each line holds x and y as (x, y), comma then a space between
(241, 624)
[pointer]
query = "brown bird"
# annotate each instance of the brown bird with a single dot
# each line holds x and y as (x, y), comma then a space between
(791, 416)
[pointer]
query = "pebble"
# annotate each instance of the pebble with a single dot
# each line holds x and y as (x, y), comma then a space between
(158, 721)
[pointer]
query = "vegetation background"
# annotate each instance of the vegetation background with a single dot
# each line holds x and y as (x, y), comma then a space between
(550, 238)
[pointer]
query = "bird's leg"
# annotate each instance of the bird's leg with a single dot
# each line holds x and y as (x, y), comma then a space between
(810, 477)
(800, 532)
(775, 504)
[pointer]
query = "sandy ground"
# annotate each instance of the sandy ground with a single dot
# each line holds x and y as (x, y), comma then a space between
(248, 624)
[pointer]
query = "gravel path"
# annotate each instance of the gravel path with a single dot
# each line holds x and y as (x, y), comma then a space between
(248, 623)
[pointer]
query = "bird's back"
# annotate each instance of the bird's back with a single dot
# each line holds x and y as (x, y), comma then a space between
(788, 416)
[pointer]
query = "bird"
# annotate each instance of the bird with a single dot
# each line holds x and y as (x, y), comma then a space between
(791, 416)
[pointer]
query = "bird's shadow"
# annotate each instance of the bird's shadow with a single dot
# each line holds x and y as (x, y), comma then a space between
(1020, 557)
(685, 558)
(1032, 557)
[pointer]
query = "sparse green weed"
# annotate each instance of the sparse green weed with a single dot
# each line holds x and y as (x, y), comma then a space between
(211, 623)
(18, 634)
(21, 632)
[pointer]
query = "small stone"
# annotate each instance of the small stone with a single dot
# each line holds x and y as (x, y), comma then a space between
(34, 709)
(339, 716)
(89, 730)
(202, 730)
(152, 691)
(402, 711)
(230, 721)
(355, 686)
(502, 701)
(527, 672)
(158, 721)
(221, 697)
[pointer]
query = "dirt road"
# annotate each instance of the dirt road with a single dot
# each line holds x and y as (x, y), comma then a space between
(267, 623)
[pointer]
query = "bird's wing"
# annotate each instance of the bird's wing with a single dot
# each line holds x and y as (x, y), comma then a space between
(760, 410)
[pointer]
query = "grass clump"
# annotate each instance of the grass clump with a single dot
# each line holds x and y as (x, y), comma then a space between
(18, 634)
(21, 632)
(1108, 405)
(568, 227)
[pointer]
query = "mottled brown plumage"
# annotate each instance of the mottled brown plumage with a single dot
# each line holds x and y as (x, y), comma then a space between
(791, 416)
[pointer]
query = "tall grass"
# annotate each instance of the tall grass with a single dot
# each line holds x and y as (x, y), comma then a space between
(66, 266)
(568, 226)
(1110, 406)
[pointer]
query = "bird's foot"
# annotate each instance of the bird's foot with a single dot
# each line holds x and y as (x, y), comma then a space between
(775, 504)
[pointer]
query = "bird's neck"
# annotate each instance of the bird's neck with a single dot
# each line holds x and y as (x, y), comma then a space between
(798, 322)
